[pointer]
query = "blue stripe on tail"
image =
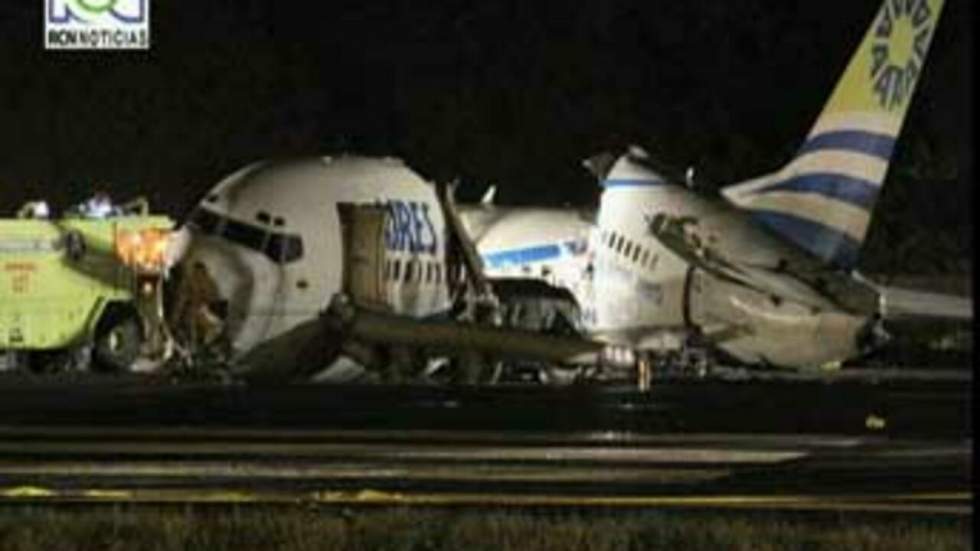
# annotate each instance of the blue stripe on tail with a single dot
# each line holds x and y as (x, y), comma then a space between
(854, 191)
(823, 241)
(861, 141)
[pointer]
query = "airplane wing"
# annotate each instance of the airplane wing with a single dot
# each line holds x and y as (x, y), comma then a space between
(905, 304)
(836, 293)
(652, 336)
(449, 337)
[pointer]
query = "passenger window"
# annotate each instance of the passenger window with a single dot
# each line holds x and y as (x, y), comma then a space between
(646, 257)
(428, 272)
(629, 247)
(409, 271)
(636, 254)
(619, 244)
(396, 270)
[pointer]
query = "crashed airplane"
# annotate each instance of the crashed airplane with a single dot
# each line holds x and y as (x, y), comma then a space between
(762, 274)
(290, 267)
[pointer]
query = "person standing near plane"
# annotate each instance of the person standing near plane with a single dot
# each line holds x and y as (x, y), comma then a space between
(98, 206)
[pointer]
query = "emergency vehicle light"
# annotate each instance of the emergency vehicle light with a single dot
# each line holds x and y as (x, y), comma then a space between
(142, 249)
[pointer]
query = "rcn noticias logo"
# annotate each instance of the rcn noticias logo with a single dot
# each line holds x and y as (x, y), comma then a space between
(97, 24)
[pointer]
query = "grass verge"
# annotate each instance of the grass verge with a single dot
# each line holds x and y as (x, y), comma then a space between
(296, 528)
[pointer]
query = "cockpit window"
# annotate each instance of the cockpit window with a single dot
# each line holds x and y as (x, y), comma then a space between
(205, 220)
(281, 248)
(284, 248)
(244, 234)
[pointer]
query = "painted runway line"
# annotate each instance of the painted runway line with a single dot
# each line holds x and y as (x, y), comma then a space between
(926, 503)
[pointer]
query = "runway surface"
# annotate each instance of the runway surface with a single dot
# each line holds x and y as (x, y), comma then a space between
(907, 408)
(893, 447)
(463, 468)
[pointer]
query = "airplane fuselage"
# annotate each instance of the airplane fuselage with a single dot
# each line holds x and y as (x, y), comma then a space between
(643, 287)
(270, 238)
(634, 290)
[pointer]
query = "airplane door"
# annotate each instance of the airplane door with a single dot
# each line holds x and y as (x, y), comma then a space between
(362, 227)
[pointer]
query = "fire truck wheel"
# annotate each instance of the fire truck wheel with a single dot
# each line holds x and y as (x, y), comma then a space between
(118, 346)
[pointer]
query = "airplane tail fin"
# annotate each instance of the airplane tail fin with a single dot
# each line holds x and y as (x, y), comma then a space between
(823, 198)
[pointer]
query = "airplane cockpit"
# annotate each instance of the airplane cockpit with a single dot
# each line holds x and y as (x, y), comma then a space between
(280, 247)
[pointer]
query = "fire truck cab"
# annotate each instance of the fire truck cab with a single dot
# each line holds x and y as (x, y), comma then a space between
(80, 290)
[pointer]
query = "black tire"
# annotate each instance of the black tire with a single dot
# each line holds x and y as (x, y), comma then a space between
(118, 344)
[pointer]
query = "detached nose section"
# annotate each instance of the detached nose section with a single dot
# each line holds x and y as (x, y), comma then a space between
(202, 282)
(178, 243)
(198, 316)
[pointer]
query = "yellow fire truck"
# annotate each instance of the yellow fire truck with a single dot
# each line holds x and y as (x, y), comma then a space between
(76, 289)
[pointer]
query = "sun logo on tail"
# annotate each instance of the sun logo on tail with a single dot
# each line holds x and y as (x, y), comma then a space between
(901, 38)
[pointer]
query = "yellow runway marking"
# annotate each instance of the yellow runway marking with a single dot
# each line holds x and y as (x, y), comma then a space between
(922, 502)
(108, 494)
(26, 492)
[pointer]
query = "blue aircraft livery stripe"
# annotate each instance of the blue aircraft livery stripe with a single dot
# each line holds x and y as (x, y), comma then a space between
(871, 143)
(848, 189)
(522, 256)
(623, 182)
(825, 242)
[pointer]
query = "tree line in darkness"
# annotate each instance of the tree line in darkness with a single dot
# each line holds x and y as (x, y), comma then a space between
(500, 92)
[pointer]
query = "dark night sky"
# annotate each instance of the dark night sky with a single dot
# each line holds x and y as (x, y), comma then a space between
(511, 92)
